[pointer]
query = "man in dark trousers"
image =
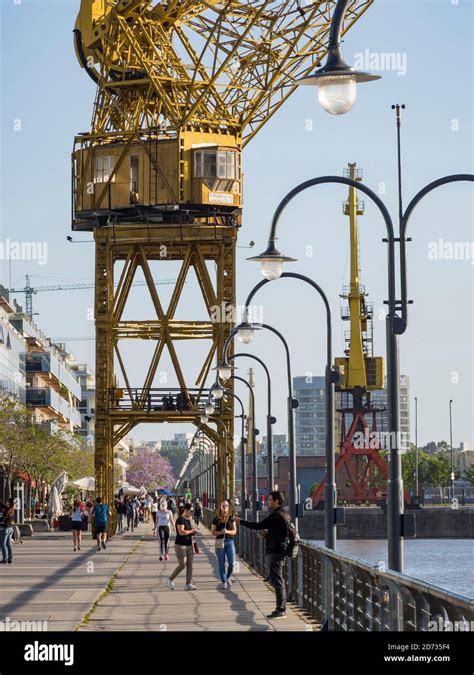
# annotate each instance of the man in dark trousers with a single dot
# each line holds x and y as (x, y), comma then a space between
(276, 525)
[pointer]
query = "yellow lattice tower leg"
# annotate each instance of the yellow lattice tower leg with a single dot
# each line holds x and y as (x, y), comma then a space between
(104, 452)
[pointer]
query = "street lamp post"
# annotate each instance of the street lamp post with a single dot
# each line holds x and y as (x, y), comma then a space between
(210, 410)
(417, 487)
(331, 377)
(206, 443)
(254, 432)
(270, 419)
(204, 420)
(338, 99)
(451, 445)
(271, 261)
(245, 332)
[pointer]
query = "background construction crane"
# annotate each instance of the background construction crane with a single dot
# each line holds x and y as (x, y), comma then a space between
(182, 87)
(361, 472)
(30, 290)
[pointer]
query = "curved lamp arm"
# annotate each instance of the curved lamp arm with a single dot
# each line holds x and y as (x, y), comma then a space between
(454, 178)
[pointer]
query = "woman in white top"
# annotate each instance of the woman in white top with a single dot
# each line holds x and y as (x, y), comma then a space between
(154, 511)
(77, 514)
(164, 521)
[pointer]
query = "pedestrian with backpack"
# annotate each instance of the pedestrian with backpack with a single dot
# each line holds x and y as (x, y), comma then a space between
(101, 513)
(130, 511)
(280, 542)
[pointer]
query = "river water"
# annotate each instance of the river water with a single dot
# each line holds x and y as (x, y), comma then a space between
(448, 563)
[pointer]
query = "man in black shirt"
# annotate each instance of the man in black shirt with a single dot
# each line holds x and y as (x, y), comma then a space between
(276, 525)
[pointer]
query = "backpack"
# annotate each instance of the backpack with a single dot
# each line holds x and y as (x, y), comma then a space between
(291, 542)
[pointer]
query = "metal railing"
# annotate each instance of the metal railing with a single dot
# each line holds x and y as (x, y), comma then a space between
(158, 399)
(343, 593)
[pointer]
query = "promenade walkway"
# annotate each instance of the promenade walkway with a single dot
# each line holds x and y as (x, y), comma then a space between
(49, 582)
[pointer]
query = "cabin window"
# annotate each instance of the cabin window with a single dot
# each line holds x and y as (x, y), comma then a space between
(103, 167)
(215, 164)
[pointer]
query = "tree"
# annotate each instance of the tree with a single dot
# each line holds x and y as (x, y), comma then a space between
(15, 430)
(44, 456)
(27, 448)
(439, 472)
(151, 470)
(408, 468)
(469, 475)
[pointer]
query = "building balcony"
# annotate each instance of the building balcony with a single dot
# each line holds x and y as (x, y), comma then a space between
(45, 362)
(50, 426)
(47, 398)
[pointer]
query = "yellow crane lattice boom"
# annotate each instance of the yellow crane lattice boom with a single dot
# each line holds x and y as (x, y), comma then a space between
(201, 65)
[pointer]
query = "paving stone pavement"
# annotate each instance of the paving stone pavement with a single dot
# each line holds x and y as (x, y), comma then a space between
(49, 582)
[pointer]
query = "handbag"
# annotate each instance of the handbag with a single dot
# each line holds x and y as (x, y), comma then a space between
(220, 543)
(196, 548)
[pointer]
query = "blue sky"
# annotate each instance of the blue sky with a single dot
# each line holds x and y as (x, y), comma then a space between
(43, 86)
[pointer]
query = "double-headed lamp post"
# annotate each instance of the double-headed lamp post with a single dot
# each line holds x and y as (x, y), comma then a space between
(245, 332)
(205, 419)
(227, 370)
(331, 377)
(217, 392)
(271, 265)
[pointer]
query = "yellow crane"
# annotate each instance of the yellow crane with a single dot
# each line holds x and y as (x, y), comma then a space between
(359, 465)
(182, 87)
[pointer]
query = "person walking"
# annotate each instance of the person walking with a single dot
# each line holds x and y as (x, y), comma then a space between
(224, 530)
(171, 506)
(277, 525)
(137, 511)
(197, 512)
(130, 511)
(101, 513)
(77, 515)
(164, 522)
(121, 512)
(7, 516)
(184, 548)
(148, 503)
(154, 511)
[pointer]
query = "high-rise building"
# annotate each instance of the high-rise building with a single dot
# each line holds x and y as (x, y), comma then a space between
(12, 345)
(85, 376)
(178, 442)
(379, 399)
(310, 415)
(86, 379)
(310, 421)
(280, 445)
(52, 390)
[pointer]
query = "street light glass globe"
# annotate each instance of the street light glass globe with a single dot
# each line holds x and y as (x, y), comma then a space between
(337, 94)
(271, 269)
(218, 393)
(204, 419)
(225, 372)
(209, 409)
(245, 335)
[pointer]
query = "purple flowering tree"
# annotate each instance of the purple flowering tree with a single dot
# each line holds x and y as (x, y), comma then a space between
(151, 470)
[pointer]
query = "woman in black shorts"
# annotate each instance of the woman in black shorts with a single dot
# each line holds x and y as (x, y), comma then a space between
(77, 514)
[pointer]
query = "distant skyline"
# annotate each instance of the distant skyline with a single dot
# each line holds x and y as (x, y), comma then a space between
(47, 99)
